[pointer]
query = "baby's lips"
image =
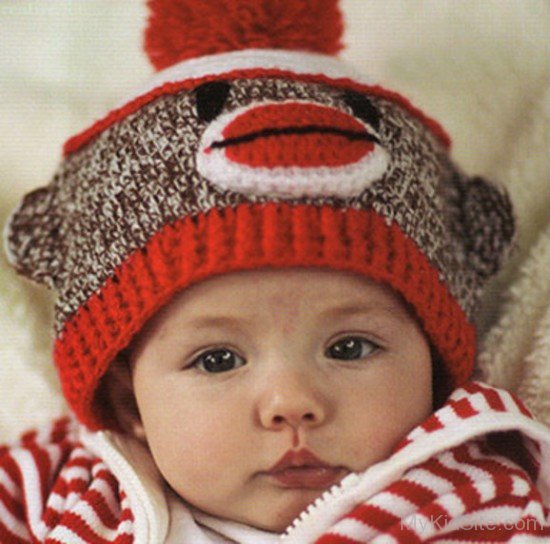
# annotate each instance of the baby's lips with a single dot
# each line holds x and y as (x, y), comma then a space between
(295, 134)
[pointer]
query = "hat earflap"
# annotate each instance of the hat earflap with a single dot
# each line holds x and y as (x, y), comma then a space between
(488, 224)
(32, 237)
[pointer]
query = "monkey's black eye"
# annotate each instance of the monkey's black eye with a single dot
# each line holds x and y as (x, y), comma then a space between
(362, 107)
(211, 98)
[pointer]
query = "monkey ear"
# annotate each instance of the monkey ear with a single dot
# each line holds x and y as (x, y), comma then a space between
(31, 237)
(488, 224)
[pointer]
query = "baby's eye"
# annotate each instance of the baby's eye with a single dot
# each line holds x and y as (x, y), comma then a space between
(219, 360)
(351, 347)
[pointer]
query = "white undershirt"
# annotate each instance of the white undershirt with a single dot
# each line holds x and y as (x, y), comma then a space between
(191, 525)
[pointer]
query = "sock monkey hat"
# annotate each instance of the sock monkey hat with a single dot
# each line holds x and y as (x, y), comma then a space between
(253, 146)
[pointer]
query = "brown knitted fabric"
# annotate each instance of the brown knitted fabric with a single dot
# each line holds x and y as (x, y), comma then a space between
(108, 199)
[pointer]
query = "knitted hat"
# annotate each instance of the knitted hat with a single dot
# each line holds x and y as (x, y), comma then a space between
(253, 147)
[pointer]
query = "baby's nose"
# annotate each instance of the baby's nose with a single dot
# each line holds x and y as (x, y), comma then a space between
(293, 402)
(293, 418)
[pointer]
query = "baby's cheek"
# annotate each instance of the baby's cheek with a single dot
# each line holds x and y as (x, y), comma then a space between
(205, 463)
(371, 442)
(182, 456)
(190, 445)
(377, 418)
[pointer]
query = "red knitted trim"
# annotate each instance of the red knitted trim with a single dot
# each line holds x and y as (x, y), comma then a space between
(244, 238)
(116, 115)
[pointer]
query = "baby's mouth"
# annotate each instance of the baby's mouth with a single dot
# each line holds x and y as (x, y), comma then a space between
(308, 477)
(302, 469)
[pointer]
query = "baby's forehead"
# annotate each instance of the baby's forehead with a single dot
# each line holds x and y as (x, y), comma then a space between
(315, 293)
(275, 309)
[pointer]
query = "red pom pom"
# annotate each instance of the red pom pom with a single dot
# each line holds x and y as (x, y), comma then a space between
(184, 29)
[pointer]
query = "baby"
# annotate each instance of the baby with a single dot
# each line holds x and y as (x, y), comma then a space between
(267, 271)
(280, 384)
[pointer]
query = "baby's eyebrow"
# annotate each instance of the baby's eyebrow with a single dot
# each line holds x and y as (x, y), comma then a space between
(349, 310)
(218, 322)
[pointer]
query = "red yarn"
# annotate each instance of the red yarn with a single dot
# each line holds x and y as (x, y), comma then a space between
(314, 149)
(184, 29)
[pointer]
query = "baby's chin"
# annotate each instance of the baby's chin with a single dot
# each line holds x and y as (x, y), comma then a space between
(277, 518)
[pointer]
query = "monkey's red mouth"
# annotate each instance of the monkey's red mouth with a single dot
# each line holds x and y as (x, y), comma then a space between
(351, 135)
(291, 149)
(295, 134)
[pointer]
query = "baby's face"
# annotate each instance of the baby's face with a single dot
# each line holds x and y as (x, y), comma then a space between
(260, 390)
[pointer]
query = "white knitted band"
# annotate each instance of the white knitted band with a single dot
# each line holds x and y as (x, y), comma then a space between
(297, 62)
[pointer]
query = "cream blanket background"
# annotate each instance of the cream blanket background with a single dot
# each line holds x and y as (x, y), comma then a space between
(482, 68)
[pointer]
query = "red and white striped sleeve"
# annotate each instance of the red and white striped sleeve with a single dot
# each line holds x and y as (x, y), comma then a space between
(467, 494)
(26, 473)
(480, 491)
(53, 491)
